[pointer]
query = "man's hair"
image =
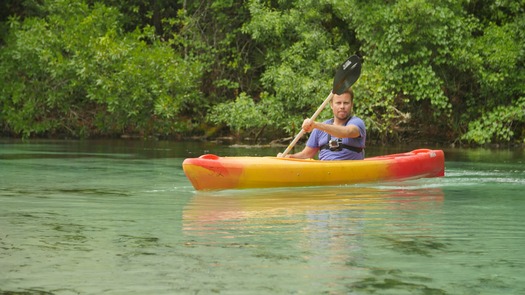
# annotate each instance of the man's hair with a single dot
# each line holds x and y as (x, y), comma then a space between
(351, 93)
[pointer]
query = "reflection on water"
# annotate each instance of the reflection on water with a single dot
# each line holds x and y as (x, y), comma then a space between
(120, 217)
(209, 208)
(322, 234)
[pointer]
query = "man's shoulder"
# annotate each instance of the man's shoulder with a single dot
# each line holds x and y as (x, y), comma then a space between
(355, 119)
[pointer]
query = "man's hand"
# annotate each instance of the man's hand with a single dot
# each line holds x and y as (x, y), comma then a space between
(308, 125)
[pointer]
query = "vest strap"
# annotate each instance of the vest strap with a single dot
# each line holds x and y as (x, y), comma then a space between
(345, 146)
(341, 145)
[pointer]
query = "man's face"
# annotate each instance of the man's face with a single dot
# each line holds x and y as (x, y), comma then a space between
(341, 106)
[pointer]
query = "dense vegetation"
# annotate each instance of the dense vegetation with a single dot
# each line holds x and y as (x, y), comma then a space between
(450, 71)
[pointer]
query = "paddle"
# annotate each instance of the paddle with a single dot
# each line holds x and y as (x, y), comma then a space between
(345, 76)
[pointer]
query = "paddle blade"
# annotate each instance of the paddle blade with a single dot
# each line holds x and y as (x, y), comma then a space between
(347, 74)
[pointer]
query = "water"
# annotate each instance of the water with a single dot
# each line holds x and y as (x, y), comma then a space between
(119, 217)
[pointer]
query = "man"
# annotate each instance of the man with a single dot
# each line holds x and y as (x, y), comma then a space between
(340, 138)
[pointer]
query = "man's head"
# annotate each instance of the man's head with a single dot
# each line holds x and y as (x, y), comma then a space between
(342, 105)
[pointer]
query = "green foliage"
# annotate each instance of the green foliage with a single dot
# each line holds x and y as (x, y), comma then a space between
(499, 124)
(450, 70)
(406, 46)
(296, 41)
(76, 73)
(494, 99)
(429, 65)
(210, 31)
(244, 114)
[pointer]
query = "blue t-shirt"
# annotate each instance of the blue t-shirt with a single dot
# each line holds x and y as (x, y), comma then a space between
(319, 138)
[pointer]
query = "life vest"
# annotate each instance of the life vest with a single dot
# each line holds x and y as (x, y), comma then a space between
(338, 145)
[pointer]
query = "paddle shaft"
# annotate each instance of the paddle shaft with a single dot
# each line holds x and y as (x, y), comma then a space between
(302, 132)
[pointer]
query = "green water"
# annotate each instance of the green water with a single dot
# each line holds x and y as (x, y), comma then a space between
(119, 217)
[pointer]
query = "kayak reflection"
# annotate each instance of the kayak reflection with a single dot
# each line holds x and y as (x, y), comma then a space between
(322, 233)
(208, 211)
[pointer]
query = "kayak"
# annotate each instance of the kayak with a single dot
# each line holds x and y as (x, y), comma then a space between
(211, 172)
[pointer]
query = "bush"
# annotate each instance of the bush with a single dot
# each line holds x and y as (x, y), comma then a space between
(76, 73)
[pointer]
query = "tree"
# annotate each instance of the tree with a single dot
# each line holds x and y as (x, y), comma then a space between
(444, 70)
(495, 62)
(433, 69)
(75, 72)
(301, 43)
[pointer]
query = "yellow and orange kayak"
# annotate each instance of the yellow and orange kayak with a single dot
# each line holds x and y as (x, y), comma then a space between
(211, 172)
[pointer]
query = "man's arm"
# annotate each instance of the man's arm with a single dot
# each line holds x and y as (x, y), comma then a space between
(349, 131)
(306, 153)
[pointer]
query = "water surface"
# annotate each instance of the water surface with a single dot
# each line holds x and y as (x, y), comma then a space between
(119, 217)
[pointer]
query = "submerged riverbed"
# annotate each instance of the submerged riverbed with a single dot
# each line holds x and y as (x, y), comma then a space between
(120, 217)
